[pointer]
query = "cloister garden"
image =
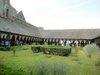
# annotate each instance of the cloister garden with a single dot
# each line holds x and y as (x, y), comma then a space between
(50, 60)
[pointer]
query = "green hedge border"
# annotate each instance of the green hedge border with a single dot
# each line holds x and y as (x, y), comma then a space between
(5, 48)
(52, 50)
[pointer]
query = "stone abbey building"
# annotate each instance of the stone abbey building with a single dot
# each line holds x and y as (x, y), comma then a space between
(14, 30)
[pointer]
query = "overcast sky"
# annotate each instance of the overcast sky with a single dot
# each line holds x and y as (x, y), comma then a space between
(60, 14)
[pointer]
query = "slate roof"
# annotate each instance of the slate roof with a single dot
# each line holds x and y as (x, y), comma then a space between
(18, 27)
(21, 27)
(71, 33)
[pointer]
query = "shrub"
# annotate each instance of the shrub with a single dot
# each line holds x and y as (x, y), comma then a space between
(36, 49)
(44, 68)
(2, 48)
(90, 49)
(5, 48)
(96, 58)
(52, 50)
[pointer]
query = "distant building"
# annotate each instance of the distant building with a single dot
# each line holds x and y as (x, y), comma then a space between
(14, 30)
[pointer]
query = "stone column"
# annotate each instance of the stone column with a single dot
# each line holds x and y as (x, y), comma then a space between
(65, 41)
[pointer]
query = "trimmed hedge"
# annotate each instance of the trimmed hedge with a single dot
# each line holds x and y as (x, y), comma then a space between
(5, 48)
(52, 50)
(36, 49)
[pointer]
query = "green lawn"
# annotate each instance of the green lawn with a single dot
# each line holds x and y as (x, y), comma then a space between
(26, 60)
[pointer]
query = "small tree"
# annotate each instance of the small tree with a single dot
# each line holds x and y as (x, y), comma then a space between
(90, 49)
(13, 49)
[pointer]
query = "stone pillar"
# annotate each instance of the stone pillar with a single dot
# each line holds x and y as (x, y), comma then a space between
(82, 43)
(21, 40)
(85, 42)
(43, 42)
(35, 40)
(55, 42)
(47, 40)
(61, 42)
(71, 42)
(27, 40)
(17, 40)
(52, 41)
(32, 40)
(24, 40)
(76, 42)
(68, 43)
(3, 39)
(7, 42)
(65, 41)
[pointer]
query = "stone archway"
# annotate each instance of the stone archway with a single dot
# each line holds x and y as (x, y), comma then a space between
(27, 40)
(30, 40)
(22, 40)
(61, 42)
(7, 40)
(76, 43)
(79, 42)
(17, 40)
(3, 39)
(8, 37)
(68, 43)
(56, 42)
(82, 43)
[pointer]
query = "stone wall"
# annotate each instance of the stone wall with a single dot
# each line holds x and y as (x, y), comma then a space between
(6, 10)
(97, 41)
(1, 7)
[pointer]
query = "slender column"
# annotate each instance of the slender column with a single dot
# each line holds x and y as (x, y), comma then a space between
(55, 42)
(82, 43)
(76, 42)
(17, 40)
(27, 40)
(65, 41)
(71, 42)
